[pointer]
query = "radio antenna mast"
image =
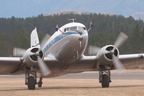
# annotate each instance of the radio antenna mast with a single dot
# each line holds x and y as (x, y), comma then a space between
(73, 20)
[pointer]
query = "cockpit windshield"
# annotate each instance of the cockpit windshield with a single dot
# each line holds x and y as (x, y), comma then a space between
(75, 28)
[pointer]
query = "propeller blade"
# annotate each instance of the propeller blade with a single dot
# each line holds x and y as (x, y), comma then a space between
(44, 40)
(18, 51)
(93, 50)
(118, 64)
(120, 40)
(43, 67)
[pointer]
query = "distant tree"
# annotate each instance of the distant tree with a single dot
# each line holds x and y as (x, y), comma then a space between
(15, 32)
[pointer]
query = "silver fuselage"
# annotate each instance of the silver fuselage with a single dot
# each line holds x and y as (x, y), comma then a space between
(68, 47)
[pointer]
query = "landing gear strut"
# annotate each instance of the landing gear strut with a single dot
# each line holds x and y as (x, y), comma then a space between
(104, 78)
(40, 82)
(31, 78)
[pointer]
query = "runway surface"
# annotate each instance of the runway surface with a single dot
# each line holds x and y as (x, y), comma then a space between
(129, 83)
(128, 75)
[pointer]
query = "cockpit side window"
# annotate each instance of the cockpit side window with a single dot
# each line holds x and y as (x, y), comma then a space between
(65, 30)
(84, 28)
(81, 28)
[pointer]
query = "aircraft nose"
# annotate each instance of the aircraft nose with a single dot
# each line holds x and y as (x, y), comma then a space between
(80, 39)
(80, 31)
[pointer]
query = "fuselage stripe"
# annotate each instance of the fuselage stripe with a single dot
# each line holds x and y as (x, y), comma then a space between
(56, 39)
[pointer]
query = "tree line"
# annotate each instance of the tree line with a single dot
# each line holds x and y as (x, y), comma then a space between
(15, 32)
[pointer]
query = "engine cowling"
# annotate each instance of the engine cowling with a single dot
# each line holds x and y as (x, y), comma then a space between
(105, 55)
(31, 56)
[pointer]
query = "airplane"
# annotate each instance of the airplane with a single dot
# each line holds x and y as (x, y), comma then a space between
(63, 53)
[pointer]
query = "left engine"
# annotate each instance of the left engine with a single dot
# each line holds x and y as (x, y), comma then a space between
(31, 56)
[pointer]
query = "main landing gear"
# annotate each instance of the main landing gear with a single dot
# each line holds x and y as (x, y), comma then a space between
(104, 78)
(31, 78)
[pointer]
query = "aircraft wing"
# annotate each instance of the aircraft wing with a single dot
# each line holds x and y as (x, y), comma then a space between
(125, 57)
(14, 65)
(89, 59)
(49, 60)
(131, 56)
(90, 62)
(9, 65)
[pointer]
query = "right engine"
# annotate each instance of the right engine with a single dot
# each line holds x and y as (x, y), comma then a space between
(105, 55)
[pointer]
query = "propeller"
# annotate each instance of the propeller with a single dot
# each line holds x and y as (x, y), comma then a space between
(117, 63)
(93, 49)
(34, 52)
(44, 40)
(45, 71)
(43, 67)
(119, 41)
(18, 51)
(37, 55)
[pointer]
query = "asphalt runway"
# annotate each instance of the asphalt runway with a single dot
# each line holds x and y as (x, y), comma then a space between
(129, 83)
(128, 75)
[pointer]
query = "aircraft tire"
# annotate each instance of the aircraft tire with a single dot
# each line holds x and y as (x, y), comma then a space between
(105, 80)
(31, 83)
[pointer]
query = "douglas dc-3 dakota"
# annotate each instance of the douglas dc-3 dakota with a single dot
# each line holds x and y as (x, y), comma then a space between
(63, 53)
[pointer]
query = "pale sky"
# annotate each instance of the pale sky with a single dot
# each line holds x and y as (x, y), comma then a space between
(28, 8)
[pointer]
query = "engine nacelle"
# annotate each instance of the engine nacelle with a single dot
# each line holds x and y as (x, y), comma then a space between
(30, 58)
(105, 55)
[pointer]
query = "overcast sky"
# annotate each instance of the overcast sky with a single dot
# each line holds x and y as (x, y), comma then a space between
(28, 8)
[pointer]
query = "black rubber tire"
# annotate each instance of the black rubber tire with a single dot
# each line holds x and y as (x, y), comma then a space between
(31, 83)
(105, 80)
